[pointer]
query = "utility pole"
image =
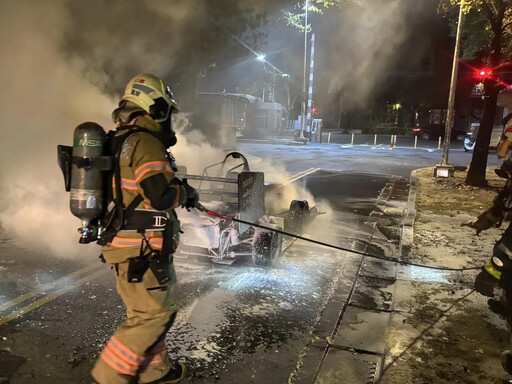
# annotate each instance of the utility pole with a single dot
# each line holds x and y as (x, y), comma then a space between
(310, 89)
(303, 106)
(443, 169)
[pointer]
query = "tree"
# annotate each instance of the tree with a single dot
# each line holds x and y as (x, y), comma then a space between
(487, 34)
(296, 18)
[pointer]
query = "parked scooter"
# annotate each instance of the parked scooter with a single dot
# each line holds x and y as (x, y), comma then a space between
(469, 141)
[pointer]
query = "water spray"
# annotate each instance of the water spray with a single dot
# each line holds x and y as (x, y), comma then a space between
(209, 212)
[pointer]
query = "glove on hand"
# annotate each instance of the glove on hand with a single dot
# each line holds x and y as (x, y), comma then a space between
(493, 216)
(192, 195)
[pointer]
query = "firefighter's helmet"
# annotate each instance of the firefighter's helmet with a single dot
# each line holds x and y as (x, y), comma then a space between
(152, 95)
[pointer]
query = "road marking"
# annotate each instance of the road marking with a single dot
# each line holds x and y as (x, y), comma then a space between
(300, 175)
(46, 287)
(36, 304)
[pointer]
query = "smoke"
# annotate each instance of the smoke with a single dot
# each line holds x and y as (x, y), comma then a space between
(42, 98)
(369, 42)
(47, 90)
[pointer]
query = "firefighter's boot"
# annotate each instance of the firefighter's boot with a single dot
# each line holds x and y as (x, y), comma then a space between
(175, 375)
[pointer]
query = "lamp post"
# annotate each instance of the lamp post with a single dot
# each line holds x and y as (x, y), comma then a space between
(304, 101)
(443, 169)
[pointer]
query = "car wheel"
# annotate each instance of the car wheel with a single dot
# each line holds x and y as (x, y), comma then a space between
(266, 248)
(297, 217)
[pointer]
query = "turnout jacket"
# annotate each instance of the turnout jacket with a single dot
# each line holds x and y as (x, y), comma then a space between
(142, 157)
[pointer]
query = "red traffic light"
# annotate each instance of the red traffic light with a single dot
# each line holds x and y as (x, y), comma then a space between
(483, 73)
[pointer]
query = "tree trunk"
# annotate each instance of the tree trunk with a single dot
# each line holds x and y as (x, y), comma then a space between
(476, 172)
(477, 168)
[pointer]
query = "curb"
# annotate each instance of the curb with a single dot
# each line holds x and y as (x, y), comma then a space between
(407, 230)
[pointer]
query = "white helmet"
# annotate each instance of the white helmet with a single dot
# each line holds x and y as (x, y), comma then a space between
(152, 95)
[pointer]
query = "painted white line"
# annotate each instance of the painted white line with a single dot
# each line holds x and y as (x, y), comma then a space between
(301, 175)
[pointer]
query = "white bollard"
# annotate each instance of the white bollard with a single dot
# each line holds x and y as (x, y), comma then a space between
(375, 140)
(352, 142)
(329, 138)
(415, 142)
(439, 144)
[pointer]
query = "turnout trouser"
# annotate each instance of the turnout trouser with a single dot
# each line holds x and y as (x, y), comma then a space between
(137, 352)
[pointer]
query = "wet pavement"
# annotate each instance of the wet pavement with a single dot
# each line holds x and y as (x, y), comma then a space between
(319, 315)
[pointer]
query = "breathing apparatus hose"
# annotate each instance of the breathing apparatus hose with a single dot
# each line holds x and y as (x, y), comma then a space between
(209, 212)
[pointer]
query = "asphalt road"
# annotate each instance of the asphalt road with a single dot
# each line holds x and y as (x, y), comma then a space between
(237, 324)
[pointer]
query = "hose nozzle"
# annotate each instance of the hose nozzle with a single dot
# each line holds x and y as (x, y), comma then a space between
(200, 207)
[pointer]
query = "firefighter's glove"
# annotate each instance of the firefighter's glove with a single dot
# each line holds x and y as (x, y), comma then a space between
(492, 217)
(192, 195)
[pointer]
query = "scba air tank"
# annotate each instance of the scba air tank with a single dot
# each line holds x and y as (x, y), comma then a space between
(86, 200)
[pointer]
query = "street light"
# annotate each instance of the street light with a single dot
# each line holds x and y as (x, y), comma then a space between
(304, 102)
(261, 57)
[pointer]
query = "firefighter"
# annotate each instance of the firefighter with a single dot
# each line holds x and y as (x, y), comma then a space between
(142, 259)
(498, 271)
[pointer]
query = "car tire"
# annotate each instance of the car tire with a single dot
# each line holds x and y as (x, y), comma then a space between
(266, 248)
(297, 217)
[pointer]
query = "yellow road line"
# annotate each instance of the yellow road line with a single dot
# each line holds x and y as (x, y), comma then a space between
(301, 175)
(46, 287)
(36, 304)
(298, 174)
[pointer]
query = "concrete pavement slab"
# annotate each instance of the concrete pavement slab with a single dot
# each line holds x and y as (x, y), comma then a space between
(373, 293)
(346, 367)
(353, 332)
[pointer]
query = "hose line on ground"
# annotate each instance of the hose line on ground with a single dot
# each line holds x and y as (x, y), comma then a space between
(201, 208)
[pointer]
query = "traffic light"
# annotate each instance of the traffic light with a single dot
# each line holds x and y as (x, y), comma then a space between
(483, 73)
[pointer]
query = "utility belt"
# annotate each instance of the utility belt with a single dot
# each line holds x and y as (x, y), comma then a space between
(157, 261)
(143, 221)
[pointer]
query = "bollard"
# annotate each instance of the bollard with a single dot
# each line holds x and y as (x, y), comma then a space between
(415, 142)
(391, 143)
(352, 142)
(329, 138)
(375, 140)
(439, 144)
(394, 141)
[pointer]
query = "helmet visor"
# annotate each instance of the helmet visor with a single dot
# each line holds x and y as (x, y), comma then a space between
(160, 110)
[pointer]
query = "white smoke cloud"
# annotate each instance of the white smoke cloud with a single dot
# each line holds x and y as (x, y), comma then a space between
(367, 42)
(42, 99)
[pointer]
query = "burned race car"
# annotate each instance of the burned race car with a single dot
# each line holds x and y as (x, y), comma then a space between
(235, 191)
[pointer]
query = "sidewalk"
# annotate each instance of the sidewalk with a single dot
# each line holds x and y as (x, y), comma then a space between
(441, 331)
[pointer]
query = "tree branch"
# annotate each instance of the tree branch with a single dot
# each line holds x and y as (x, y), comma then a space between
(506, 25)
(490, 14)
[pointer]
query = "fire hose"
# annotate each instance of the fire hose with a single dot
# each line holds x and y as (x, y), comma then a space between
(209, 212)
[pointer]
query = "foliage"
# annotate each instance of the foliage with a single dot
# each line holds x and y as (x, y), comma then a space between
(484, 19)
(295, 18)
